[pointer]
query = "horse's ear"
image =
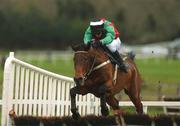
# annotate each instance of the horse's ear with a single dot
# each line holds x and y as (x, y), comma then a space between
(74, 47)
(80, 47)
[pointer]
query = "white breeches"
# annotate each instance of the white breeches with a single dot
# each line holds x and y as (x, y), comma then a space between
(115, 45)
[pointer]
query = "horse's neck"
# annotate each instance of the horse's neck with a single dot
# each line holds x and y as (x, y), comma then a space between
(103, 61)
(99, 54)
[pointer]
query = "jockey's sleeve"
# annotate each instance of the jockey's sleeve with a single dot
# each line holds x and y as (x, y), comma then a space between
(87, 36)
(110, 35)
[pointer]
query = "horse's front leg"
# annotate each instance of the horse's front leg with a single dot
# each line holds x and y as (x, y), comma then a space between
(75, 113)
(104, 108)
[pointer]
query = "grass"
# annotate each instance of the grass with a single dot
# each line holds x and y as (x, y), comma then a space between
(60, 66)
(159, 70)
(151, 110)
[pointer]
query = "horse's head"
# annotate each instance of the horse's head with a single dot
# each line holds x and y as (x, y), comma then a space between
(85, 58)
(82, 61)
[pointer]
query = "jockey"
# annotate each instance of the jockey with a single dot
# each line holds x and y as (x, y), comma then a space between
(103, 32)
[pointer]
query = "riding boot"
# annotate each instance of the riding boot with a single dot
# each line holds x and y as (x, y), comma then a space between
(119, 60)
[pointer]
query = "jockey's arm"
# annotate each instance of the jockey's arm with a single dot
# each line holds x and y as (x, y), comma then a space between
(87, 36)
(110, 35)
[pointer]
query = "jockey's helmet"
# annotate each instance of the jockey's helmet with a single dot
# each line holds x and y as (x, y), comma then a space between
(97, 27)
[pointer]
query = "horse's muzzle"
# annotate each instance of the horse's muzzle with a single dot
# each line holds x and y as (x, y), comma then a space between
(79, 81)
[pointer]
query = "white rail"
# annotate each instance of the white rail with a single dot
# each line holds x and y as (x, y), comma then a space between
(29, 90)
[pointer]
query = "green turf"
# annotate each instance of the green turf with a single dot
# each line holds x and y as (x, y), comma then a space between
(59, 66)
(159, 70)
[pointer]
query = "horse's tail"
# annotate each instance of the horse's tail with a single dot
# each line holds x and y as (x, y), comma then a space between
(131, 55)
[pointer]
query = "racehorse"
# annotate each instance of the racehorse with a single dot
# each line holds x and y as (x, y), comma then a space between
(94, 73)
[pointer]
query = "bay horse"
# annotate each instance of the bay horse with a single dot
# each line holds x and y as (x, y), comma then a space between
(94, 73)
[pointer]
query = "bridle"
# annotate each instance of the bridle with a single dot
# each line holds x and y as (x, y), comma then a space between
(93, 67)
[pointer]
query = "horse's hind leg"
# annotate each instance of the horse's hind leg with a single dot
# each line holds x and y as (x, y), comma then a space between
(135, 98)
(113, 102)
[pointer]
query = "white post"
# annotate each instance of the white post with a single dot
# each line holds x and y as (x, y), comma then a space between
(7, 89)
(145, 109)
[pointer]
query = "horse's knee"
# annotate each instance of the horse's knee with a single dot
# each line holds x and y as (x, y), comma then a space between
(73, 91)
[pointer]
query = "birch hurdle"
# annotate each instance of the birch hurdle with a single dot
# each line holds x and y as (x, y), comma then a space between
(32, 91)
(29, 90)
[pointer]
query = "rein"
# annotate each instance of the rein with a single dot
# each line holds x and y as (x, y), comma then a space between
(101, 65)
(95, 68)
(92, 68)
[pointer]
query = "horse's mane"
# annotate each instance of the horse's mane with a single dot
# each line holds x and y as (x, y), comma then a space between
(80, 47)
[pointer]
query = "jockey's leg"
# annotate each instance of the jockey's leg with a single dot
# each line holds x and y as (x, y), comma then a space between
(120, 62)
(113, 49)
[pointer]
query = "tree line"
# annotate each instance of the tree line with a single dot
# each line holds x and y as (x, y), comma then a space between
(36, 28)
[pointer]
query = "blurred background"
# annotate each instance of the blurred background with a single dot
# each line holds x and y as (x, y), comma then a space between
(55, 24)
(41, 32)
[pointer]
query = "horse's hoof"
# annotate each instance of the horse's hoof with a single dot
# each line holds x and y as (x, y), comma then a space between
(76, 116)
